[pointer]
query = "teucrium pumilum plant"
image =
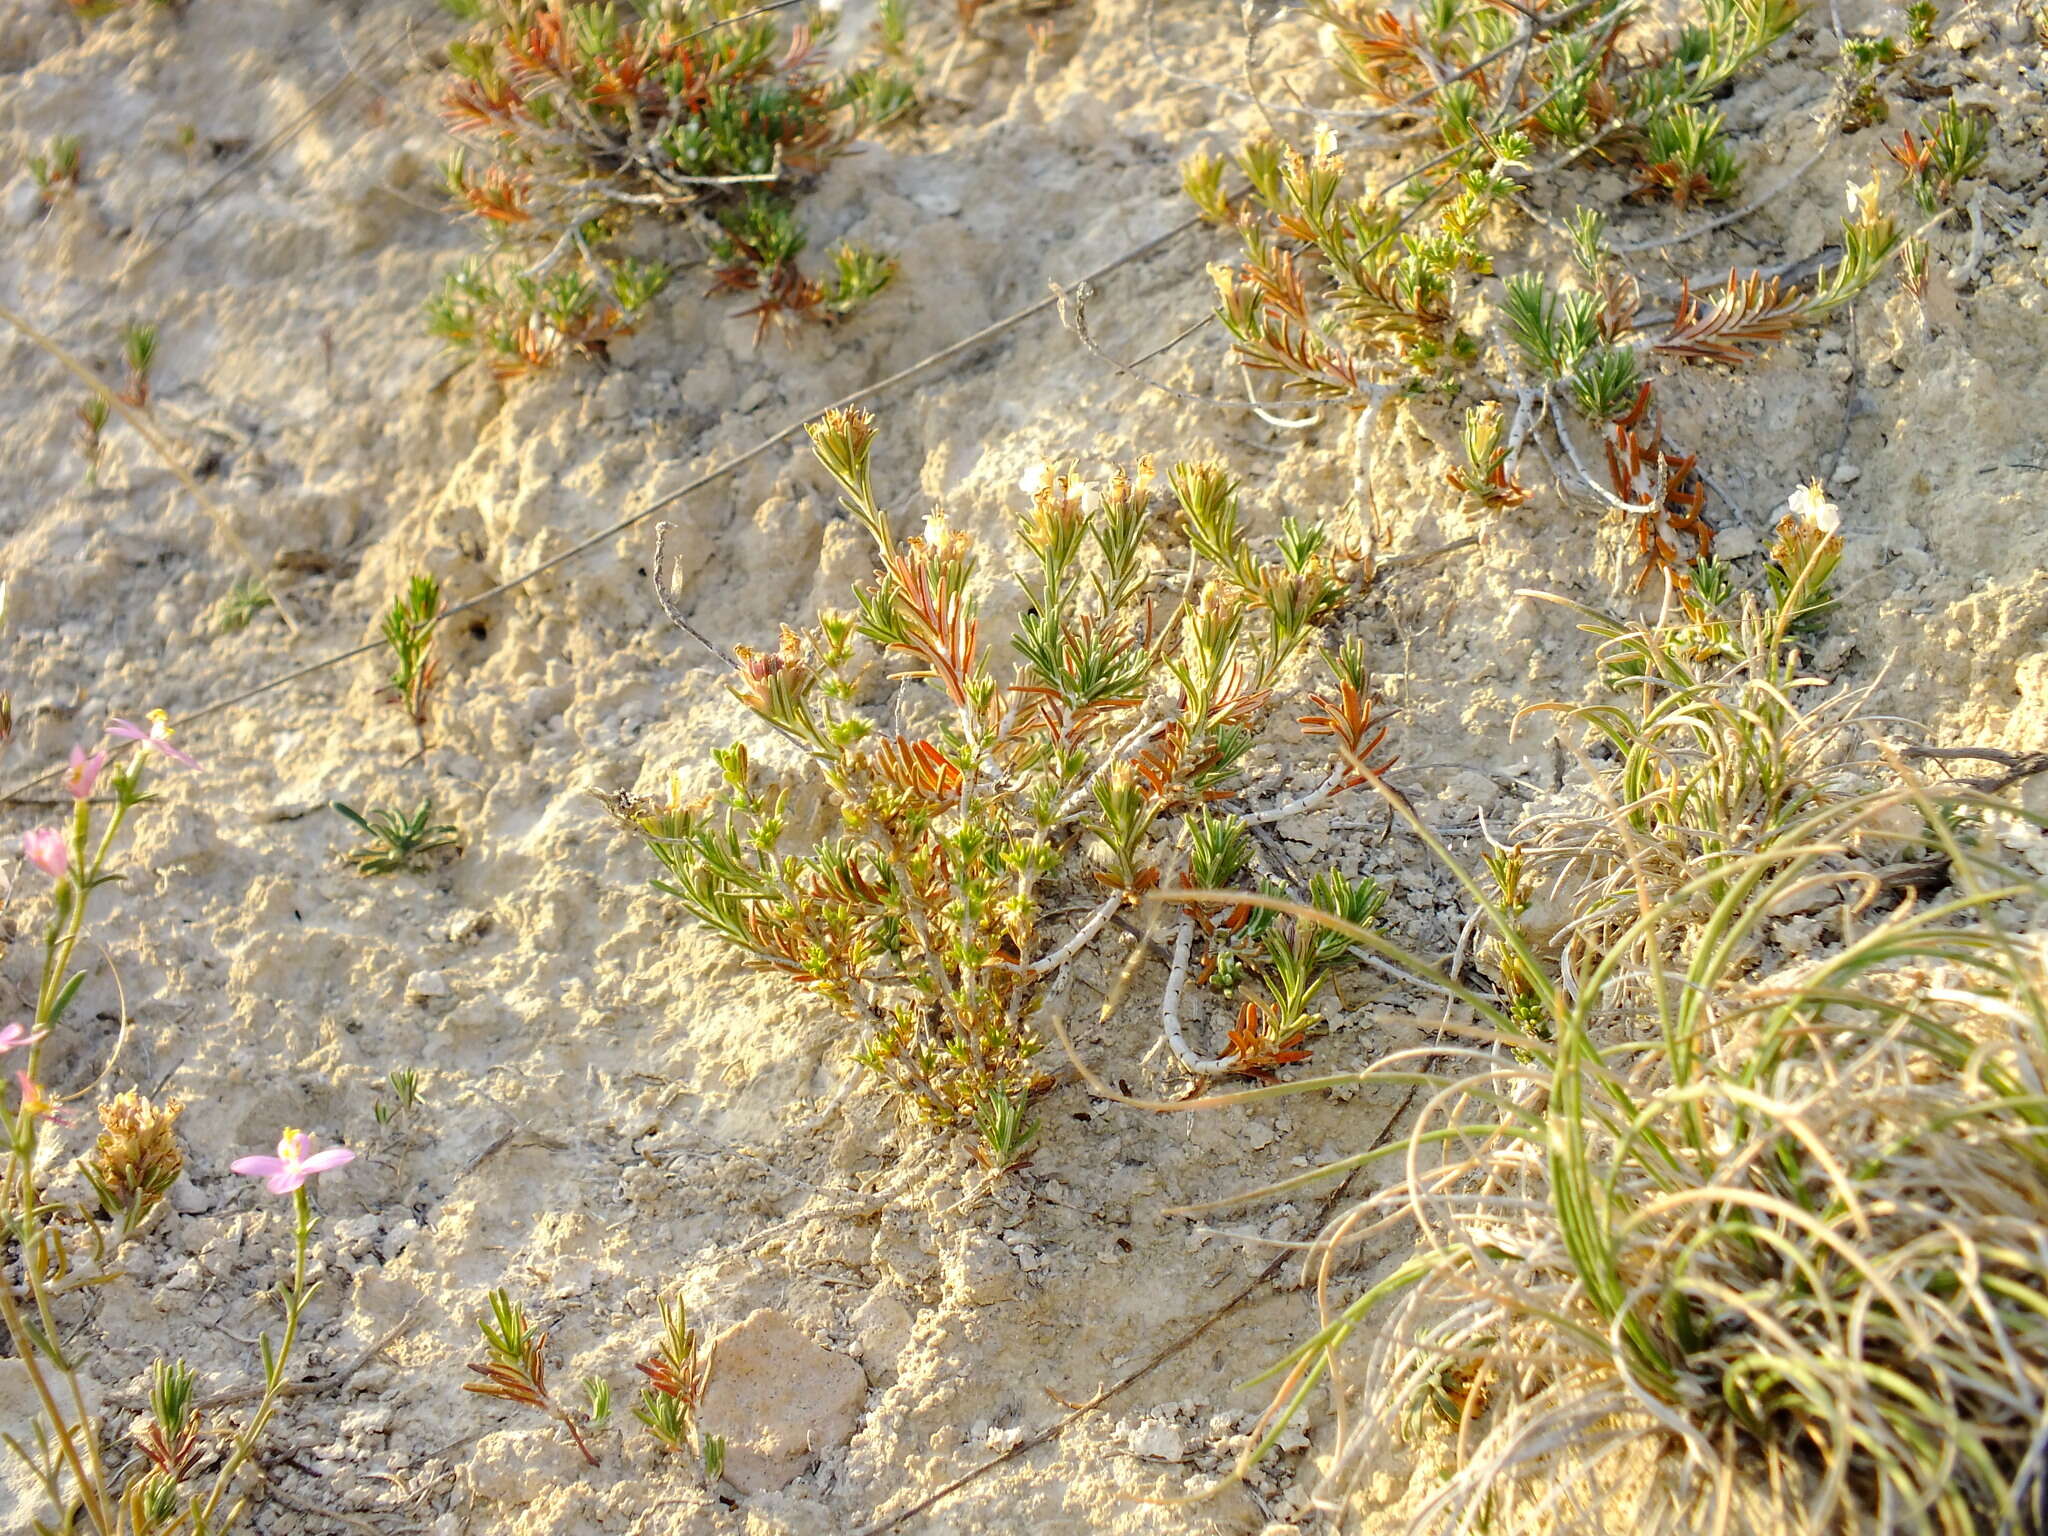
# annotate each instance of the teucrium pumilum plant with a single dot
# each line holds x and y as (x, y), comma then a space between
(676, 1374)
(986, 842)
(62, 1248)
(407, 631)
(515, 1369)
(1366, 275)
(578, 119)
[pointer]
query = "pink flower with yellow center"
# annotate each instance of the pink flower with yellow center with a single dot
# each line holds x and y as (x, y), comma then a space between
(84, 773)
(34, 1102)
(295, 1163)
(156, 737)
(47, 849)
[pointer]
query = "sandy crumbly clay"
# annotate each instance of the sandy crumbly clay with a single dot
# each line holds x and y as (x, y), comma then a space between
(615, 1109)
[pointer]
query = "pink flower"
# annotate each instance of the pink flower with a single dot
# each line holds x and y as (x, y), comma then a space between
(296, 1162)
(14, 1036)
(35, 1102)
(84, 774)
(156, 736)
(46, 848)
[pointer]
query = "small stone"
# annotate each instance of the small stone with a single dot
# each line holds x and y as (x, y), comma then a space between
(881, 1330)
(1735, 543)
(423, 986)
(1474, 788)
(834, 1242)
(1156, 1440)
(23, 203)
(938, 203)
(361, 1422)
(1847, 474)
(979, 1270)
(468, 927)
(1003, 1438)
(708, 384)
(359, 1231)
(571, 1277)
(779, 1399)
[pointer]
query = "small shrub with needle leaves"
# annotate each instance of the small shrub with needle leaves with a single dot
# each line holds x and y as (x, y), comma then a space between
(515, 1368)
(675, 1377)
(56, 170)
(576, 119)
(1949, 149)
(404, 1086)
(238, 609)
(1359, 280)
(93, 415)
(985, 839)
(138, 353)
(408, 632)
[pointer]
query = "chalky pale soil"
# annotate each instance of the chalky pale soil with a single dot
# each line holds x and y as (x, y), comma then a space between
(614, 1109)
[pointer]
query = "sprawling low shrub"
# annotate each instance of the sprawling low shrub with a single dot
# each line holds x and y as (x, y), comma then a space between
(994, 816)
(1421, 267)
(578, 118)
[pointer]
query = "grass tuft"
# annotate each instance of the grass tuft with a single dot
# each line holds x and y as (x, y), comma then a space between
(1739, 1167)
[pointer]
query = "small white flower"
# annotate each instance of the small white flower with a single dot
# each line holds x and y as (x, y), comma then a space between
(1036, 479)
(1326, 141)
(1811, 506)
(1864, 200)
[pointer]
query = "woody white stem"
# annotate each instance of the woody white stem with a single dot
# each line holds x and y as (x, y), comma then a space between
(1321, 795)
(1079, 941)
(1169, 1005)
